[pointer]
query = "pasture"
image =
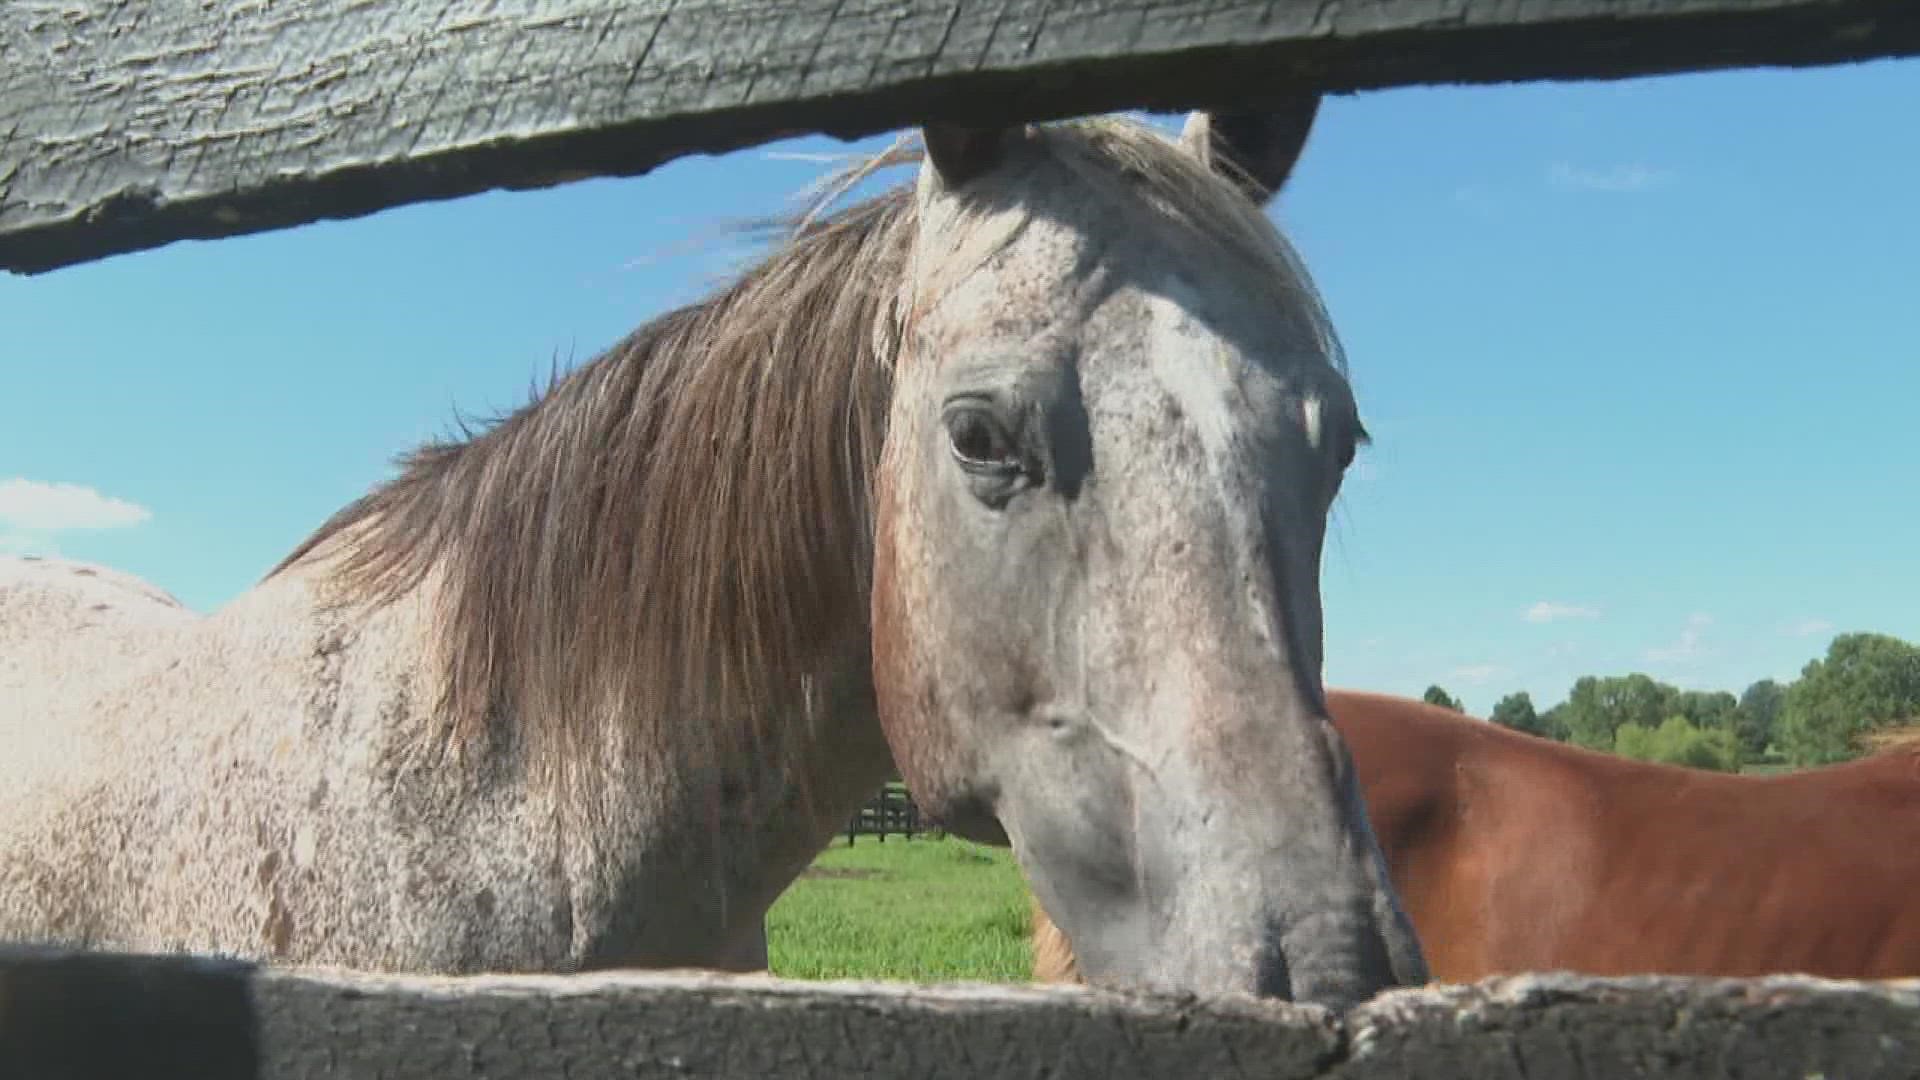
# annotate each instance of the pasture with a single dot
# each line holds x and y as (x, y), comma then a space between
(925, 910)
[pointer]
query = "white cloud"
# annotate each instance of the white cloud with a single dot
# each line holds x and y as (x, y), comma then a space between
(31, 513)
(1476, 674)
(1620, 179)
(1687, 646)
(1807, 627)
(1547, 611)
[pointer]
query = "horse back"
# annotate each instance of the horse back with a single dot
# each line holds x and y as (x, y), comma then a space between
(1514, 853)
(56, 614)
(1812, 871)
(1475, 822)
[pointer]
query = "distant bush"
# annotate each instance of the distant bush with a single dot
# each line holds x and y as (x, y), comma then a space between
(1866, 682)
(1678, 742)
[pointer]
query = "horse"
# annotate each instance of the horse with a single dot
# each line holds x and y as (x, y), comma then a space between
(1515, 853)
(1016, 474)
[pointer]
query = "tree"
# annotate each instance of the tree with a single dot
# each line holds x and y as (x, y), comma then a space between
(1758, 715)
(1679, 741)
(1516, 711)
(1597, 707)
(1553, 723)
(1708, 709)
(1436, 696)
(1867, 681)
(1634, 741)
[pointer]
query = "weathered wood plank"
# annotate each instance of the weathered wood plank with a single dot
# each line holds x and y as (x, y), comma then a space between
(129, 125)
(71, 1015)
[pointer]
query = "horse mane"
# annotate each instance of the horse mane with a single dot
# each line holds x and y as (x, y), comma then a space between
(681, 526)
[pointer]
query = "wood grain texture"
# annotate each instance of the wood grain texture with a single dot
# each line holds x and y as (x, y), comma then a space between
(126, 124)
(178, 1016)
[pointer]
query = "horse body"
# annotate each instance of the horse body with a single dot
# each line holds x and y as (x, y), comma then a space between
(1017, 476)
(1514, 853)
(1641, 868)
(94, 619)
(305, 823)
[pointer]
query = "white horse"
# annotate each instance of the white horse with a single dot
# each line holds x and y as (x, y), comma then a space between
(1017, 476)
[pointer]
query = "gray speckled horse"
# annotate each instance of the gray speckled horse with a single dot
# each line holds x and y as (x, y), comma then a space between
(1017, 475)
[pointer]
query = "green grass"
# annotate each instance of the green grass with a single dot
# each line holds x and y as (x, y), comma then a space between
(926, 910)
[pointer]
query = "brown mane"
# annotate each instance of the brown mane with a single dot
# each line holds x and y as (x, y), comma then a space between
(678, 528)
(638, 536)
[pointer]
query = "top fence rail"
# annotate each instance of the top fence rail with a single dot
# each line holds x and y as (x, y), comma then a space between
(128, 126)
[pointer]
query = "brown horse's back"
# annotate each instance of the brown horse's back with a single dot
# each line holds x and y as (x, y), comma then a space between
(1707, 873)
(1514, 853)
(1477, 822)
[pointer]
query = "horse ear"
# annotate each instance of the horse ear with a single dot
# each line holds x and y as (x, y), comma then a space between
(1256, 150)
(959, 153)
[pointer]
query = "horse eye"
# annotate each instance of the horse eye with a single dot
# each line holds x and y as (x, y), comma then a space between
(979, 442)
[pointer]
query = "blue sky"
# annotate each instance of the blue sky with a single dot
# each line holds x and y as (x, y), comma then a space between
(1641, 361)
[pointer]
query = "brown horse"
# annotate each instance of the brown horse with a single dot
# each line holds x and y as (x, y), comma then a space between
(1016, 475)
(1514, 853)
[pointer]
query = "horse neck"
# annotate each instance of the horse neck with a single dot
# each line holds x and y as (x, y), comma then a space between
(710, 825)
(691, 726)
(674, 536)
(647, 591)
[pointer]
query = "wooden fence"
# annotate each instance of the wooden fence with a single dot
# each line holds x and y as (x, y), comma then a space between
(70, 1016)
(125, 126)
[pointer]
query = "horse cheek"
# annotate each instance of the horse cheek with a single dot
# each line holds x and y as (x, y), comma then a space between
(905, 696)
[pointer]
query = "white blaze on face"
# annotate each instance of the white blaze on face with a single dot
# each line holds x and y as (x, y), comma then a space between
(1192, 365)
(1310, 419)
(1198, 369)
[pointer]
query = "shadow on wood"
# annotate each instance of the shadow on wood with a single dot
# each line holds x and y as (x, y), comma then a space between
(81, 1016)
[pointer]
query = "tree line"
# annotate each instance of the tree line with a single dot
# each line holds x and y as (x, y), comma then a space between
(1866, 685)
